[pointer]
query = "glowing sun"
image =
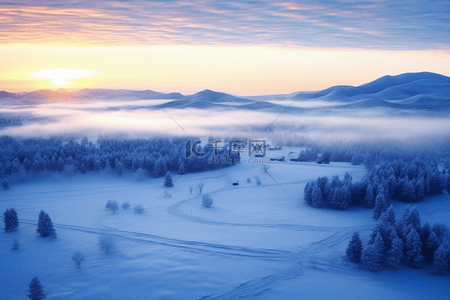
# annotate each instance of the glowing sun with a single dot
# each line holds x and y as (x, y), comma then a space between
(62, 77)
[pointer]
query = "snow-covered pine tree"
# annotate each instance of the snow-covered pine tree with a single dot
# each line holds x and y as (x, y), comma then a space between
(307, 193)
(432, 244)
(406, 213)
(354, 249)
(334, 199)
(441, 259)
(425, 232)
(97, 165)
(119, 167)
(182, 168)
(60, 164)
(395, 253)
(419, 189)
(413, 247)
(392, 186)
(441, 230)
(83, 168)
(408, 193)
(369, 198)
(35, 290)
(168, 182)
(10, 219)
(391, 215)
(372, 255)
(414, 219)
(160, 167)
(45, 225)
(26, 164)
(327, 193)
(316, 197)
(346, 196)
(380, 206)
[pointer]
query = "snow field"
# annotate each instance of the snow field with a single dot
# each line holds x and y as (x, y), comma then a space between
(260, 242)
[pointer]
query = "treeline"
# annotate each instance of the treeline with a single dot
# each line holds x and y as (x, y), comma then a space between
(375, 153)
(393, 243)
(155, 156)
(399, 179)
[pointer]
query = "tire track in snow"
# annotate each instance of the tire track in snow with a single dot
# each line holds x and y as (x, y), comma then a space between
(259, 285)
(297, 260)
(196, 246)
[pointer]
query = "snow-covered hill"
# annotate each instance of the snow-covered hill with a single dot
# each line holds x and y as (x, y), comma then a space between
(412, 91)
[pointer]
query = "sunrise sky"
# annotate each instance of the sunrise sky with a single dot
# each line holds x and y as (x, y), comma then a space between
(240, 47)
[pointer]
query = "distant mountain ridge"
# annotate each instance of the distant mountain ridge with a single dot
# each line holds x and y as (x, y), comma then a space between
(387, 88)
(422, 90)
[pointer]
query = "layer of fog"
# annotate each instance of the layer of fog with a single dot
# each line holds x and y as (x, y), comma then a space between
(92, 120)
(305, 104)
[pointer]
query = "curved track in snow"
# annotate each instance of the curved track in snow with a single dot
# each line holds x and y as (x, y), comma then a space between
(297, 260)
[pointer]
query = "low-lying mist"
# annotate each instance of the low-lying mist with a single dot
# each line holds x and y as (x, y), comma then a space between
(140, 119)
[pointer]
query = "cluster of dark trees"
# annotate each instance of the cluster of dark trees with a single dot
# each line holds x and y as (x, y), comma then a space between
(374, 153)
(44, 227)
(407, 181)
(405, 241)
(154, 156)
(333, 193)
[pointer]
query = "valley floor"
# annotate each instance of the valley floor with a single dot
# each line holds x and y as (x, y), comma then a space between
(255, 242)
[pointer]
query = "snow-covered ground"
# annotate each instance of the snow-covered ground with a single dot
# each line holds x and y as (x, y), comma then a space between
(259, 242)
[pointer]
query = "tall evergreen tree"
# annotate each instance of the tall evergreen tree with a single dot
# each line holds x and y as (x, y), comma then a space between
(372, 255)
(391, 215)
(182, 169)
(168, 182)
(60, 164)
(380, 206)
(432, 244)
(97, 165)
(413, 247)
(10, 219)
(35, 290)
(316, 196)
(414, 219)
(45, 225)
(346, 196)
(119, 167)
(441, 259)
(307, 192)
(354, 249)
(425, 232)
(440, 230)
(395, 253)
(406, 213)
(160, 167)
(369, 198)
